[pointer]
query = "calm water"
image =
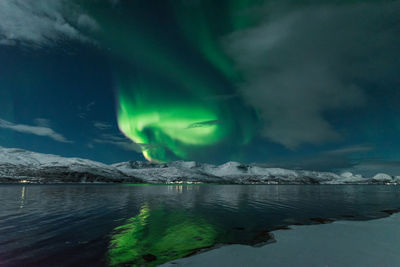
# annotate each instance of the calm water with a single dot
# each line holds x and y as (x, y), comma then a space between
(98, 225)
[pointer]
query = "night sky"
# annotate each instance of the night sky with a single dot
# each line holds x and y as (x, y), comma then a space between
(296, 84)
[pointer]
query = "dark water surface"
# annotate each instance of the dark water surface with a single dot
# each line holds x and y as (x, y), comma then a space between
(98, 225)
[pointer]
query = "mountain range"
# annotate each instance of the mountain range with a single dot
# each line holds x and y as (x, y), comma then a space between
(22, 166)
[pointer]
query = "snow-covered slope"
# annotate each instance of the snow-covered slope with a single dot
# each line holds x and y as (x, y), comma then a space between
(236, 173)
(22, 165)
(17, 165)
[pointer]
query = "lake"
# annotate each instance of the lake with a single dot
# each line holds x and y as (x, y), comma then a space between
(114, 225)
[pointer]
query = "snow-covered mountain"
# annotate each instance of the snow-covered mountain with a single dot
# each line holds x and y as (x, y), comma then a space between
(22, 165)
(17, 165)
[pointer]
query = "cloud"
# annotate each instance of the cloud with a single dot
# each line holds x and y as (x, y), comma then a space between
(85, 110)
(338, 160)
(369, 168)
(321, 162)
(350, 150)
(35, 130)
(120, 141)
(88, 23)
(42, 122)
(102, 125)
(90, 106)
(82, 115)
(42, 22)
(300, 65)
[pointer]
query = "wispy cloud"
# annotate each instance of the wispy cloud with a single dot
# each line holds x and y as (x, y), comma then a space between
(42, 122)
(42, 22)
(102, 125)
(371, 167)
(35, 130)
(90, 106)
(350, 150)
(340, 159)
(85, 110)
(119, 141)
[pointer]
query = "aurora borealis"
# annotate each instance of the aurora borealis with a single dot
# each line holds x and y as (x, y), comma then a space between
(169, 93)
(164, 234)
(297, 84)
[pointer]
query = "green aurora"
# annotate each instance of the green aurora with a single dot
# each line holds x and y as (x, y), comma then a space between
(178, 90)
(167, 235)
(176, 87)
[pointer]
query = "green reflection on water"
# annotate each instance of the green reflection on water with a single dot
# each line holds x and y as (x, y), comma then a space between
(167, 235)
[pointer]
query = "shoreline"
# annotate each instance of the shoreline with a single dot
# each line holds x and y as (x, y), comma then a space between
(118, 182)
(347, 242)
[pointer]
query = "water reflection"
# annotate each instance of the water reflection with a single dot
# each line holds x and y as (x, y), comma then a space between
(182, 188)
(22, 197)
(94, 225)
(158, 235)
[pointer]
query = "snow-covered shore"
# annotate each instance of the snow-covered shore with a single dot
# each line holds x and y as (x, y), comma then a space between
(341, 243)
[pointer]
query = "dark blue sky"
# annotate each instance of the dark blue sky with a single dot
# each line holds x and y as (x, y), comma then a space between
(71, 91)
(317, 80)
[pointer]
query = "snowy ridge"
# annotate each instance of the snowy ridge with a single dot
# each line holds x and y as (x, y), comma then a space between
(22, 165)
(17, 165)
(237, 173)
